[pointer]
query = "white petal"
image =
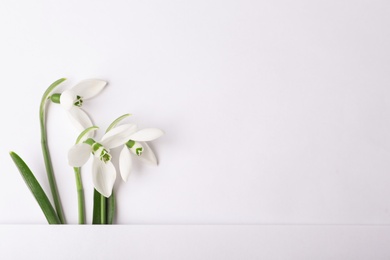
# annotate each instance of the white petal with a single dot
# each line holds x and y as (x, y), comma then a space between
(147, 134)
(80, 119)
(118, 135)
(89, 88)
(79, 154)
(67, 99)
(103, 177)
(125, 163)
(148, 155)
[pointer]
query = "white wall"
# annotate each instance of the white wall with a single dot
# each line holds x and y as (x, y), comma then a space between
(274, 111)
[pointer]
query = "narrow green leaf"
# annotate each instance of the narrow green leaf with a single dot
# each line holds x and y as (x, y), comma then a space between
(36, 189)
(96, 219)
(111, 208)
(116, 121)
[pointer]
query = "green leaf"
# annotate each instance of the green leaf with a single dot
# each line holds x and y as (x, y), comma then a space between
(96, 219)
(111, 208)
(36, 189)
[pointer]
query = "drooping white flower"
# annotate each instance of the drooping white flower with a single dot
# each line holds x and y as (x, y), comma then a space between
(73, 98)
(137, 146)
(103, 171)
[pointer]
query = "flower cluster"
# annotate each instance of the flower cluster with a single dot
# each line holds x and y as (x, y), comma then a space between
(128, 136)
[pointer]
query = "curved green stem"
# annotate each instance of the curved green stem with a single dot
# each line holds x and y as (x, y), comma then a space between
(46, 153)
(80, 195)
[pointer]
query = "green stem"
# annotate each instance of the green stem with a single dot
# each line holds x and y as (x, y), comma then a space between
(103, 209)
(46, 153)
(80, 195)
(96, 208)
(111, 208)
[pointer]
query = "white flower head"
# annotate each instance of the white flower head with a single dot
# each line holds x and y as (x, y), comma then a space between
(72, 100)
(103, 171)
(137, 146)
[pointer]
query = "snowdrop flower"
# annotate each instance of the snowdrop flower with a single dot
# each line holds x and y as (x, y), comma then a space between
(72, 100)
(103, 171)
(137, 146)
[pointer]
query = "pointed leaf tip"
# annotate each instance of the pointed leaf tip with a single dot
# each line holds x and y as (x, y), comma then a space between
(36, 189)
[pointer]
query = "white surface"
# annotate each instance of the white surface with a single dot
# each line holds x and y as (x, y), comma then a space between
(194, 242)
(274, 111)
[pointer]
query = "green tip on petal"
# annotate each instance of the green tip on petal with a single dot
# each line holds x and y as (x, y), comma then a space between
(136, 148)
(139, 151)
(105, 156)
(79, 101)
(116, 121)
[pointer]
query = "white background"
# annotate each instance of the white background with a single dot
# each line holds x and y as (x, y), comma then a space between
(274, 112)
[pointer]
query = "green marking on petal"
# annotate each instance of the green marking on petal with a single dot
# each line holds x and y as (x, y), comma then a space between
(135, 147)
(105, 156)
(99, 151)
(78, 102)
(139, 151)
